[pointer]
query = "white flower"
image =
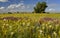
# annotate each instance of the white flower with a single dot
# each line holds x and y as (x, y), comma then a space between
(54, 33)
(4, 19)
(46, 25)
(40, 31)
(12, 33)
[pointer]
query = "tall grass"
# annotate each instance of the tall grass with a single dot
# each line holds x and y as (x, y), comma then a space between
(29, 28)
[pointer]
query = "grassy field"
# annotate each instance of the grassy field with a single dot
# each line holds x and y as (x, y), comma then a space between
(31, 15)
(29, 25)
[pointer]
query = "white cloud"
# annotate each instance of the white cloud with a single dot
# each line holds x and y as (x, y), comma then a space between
(12, 6)
(3, 0)
(51, 9)
(17, 7)
(20, 5)
(2, 8)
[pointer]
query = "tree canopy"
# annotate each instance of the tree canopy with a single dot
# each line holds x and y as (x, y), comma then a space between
(40, 7)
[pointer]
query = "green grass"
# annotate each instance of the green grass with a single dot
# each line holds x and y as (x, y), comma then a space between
(30, 27)
(37, 16)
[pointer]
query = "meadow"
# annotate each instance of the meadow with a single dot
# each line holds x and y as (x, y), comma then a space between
(30, 25)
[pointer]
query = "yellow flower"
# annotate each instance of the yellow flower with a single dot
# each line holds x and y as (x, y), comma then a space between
(49, 22)
(49, 36)
(54, 33)
(12, 33)
(2, 27)
(59, 32)
(43, 24)
(38, 36)
(43, 27)
(23, 23)
(7, 24)
(10, 26)
(50, 26)
(4, 24)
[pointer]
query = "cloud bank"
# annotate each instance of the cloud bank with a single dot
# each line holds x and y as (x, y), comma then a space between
(21, 7)
(3, 0)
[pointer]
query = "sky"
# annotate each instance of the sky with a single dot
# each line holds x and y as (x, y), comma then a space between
(27, 5)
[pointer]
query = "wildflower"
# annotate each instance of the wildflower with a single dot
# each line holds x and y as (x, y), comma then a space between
(43, 24)
(50, 26)
(7, 24)
(46, 24)
(4, 19)
(50, 22)
(40, 31)
(37, 28)
(4, 24)
(28, 23)
(38, 36)
(59, 32)
(23, 23)
(49, 36)
(43, 27)
(12, 33)
(54, 33)
(10, 26)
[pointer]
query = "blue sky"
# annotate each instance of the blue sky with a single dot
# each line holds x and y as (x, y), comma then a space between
(27, 5)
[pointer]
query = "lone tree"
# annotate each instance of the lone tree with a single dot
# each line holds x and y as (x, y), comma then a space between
(40, 7)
